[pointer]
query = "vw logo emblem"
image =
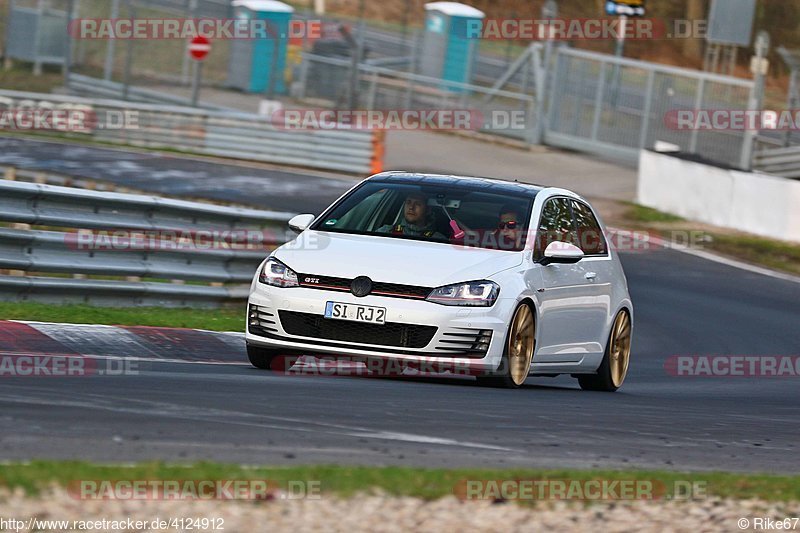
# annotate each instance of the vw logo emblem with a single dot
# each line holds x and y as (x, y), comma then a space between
(361, 286)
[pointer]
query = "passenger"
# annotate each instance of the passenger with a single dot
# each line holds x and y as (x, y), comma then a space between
(508, 232)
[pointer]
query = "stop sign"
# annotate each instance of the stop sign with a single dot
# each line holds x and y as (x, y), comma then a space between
(199, 47)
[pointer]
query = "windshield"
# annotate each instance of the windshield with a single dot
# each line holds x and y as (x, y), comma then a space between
(456, 215)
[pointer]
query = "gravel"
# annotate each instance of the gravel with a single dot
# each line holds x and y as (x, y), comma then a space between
(382, 513)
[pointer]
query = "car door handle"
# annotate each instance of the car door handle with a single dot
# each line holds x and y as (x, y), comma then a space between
(591, 276)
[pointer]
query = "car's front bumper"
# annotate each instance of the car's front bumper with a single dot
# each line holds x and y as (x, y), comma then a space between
(455, 328)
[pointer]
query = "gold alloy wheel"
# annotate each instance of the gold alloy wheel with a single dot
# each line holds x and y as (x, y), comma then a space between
(619, 349)
(521, 341)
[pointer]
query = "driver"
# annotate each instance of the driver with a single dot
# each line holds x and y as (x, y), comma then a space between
(417, 219)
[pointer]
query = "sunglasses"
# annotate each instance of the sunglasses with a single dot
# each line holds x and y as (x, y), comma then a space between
(511, 224)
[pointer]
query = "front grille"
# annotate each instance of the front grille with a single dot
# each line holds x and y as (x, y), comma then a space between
(379, 288)
(400, 291)
(388, 334)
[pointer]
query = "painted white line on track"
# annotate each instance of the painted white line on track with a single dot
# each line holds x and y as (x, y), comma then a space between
(123, 358)
(408, 437)
(236, 334)
(709, 256)
(221, 416)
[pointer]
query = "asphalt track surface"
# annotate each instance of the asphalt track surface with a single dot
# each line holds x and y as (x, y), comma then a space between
(179, 177)
(232, 412)
(187, 411)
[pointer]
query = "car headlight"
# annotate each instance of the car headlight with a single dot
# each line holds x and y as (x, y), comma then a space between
(473, 293)
(277, 274)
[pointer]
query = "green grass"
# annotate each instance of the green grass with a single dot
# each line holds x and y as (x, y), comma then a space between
(222, 319)
(770, 253)
(20, 78)
(640, 213)
(399, 481)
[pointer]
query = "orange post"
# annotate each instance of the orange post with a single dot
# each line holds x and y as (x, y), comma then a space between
(378, 151)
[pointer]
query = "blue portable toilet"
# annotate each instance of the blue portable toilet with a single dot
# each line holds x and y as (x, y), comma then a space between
(251, 60)
(450, 40)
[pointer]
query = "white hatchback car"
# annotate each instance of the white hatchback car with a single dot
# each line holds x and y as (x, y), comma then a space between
(505, 279)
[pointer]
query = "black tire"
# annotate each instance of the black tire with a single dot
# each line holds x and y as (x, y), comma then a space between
(600, 382)
(603, 381)
(261, 357)
(502, 377)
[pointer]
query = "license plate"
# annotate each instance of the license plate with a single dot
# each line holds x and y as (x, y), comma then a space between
(355, 312)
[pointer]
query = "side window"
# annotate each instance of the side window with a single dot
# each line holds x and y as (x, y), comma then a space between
(590, 236)
(555, 225)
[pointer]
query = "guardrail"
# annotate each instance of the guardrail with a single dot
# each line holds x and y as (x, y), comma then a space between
(218, 133)
(782, 161)
(89, 87)
(130, 237)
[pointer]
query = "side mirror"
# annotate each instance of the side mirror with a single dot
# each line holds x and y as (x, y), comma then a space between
(561, 253)
(298, 223)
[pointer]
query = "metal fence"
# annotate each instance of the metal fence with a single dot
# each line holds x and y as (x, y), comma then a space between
(592, 102)
(616, 106)
(212, 251)
(583, 100)
(778, 152)
(36, 32)
(218, 133)
(329, 78)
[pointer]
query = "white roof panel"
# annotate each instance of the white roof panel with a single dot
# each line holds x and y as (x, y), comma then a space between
(272, 6)
(455, 9)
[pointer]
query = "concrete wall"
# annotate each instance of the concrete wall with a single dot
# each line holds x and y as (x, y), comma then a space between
(756, 203)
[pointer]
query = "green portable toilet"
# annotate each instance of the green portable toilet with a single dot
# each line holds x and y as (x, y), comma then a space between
(449, 45)
(251, 60)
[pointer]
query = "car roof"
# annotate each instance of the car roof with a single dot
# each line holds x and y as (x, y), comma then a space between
(486, 184)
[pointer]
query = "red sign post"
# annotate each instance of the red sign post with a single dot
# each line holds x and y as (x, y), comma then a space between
(199, 47)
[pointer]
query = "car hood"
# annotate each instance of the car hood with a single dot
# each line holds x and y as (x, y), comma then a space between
(392, 260)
